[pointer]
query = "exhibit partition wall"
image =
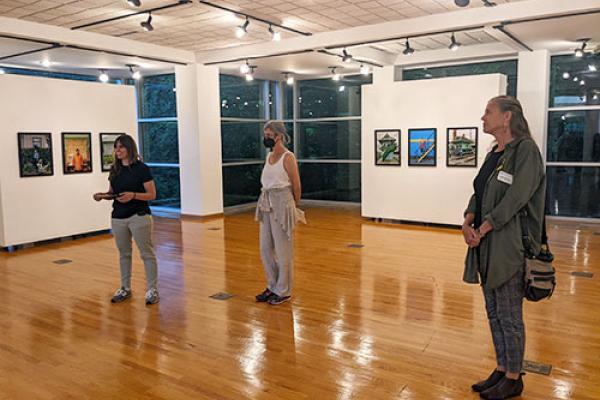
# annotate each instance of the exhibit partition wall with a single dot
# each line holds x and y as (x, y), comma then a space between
(441, 141)
(41, 194)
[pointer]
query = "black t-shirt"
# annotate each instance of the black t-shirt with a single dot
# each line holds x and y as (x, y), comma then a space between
(131, 179)
(487, 169)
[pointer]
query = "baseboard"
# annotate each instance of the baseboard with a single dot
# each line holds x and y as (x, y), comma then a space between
(22, 246)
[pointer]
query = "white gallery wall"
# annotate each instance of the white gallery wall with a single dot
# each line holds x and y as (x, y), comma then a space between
(422, 193)
(41, 208)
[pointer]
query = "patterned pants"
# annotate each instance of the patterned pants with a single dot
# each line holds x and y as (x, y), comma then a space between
(504, 306)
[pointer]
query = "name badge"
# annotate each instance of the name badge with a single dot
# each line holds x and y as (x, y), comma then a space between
(505, 177)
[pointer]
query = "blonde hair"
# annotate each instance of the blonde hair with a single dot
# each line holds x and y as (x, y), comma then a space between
(278, 129)
(518, 124)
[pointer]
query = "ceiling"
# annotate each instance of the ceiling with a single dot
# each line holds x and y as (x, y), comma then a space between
(198, 27)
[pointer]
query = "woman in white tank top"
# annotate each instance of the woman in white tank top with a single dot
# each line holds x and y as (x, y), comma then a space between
(276, 211)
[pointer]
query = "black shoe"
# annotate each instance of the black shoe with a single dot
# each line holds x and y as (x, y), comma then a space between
(264, 296)
(545, 254)
(494, 378)
(275, 299)
(505, 389)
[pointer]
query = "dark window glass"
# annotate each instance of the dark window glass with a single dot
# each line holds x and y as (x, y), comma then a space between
(573, 192)
(288, 101)
(158, 97)
(575, 81)
(273, 98)
(574, 136)
(508, 68)
(167, 187)
(59, 75)
(289, 128)
(328, 98)
(330, 140)
(241, 184)
(241, 99)
(242, 141)
(159, 142)
(333, 182)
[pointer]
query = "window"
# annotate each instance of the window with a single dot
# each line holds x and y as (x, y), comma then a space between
(507, 67)
(60, 75)
(573, 142)
(332, 140)
(326, 98)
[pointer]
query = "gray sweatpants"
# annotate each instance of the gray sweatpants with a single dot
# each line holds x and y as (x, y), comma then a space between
(277, 254)
(140, 227)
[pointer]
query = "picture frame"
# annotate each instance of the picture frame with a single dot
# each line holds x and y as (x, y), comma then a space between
(77, 153)
(461, 147)
(422, 147)
(35, 154)
(387, 147)
(107, 141)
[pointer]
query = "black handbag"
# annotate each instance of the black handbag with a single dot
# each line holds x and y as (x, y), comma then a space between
(540, 276)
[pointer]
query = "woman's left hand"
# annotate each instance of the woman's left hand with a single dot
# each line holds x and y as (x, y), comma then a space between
(125, 197)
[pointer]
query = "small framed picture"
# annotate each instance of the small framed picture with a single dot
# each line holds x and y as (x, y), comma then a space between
(461, 147)
(422, 147)
(107, 149)
(387, 147)
(35, 154)
(77, 152)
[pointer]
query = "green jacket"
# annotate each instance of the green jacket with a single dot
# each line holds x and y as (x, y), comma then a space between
(501, 251)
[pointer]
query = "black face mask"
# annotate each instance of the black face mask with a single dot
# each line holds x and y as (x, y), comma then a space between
(269, 143)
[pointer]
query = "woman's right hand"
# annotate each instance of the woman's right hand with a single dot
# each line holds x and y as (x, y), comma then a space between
(99, 196)
(470, 235)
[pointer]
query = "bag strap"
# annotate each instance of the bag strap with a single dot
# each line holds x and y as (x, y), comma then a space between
(525, 238)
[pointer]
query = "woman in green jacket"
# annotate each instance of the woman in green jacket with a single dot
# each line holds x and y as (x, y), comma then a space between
(512, 178)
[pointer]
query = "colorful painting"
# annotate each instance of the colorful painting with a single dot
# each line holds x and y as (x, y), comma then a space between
(387, 147)
(461, 147)
(35, 154)
(77, 152)
(422, 149)
(107, 149)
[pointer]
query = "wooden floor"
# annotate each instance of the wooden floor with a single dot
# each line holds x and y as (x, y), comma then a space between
(391, 320)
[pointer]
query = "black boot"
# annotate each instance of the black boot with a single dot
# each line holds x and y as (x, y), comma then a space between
(505, 389)
(494, 378)
(545, 254)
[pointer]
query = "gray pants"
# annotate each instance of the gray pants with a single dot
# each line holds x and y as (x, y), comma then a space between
(277, 254)
(140, 227)
(504, 307)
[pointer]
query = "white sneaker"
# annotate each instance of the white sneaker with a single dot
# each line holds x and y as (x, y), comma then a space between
(152, 296)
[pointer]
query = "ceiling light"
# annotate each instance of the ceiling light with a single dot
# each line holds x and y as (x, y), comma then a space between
(135, 74)
(462, 3)
(250, 74)
(275, 36)
(365, 70)
(342, 88)
(2, 71)
(346, 57)
(580, 52)
(563, 117)
(581, 82)
(335, 75)
(408, 50)
(566, 75)
(245, 68)
(46, 63)
(575, 79)
(454, 45)
(288, 78)
(592, 68)
(103, 77)
(242, 30)
(489, 3)
(593, 98)
(134, 3)
(147, 24)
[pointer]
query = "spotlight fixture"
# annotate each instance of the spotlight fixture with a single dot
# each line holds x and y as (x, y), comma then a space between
(566, 75)
(147, 24)
(592, 68)
(103, 77)
(454, 45)
(461, 3)
(275, 36)
(242, 30)
(593, 98)
(134, 3)
(346, 57)
(335, 76)
(288, 78)
(581, 82)
(245, 68)
(46, 63)
(489, 3)
(250, 74)
(575, 79)
(580, 52)
(408, 50)
(365, 70)
(135, 74)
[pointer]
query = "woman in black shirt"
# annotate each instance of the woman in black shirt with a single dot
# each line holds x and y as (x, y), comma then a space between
(131, 187)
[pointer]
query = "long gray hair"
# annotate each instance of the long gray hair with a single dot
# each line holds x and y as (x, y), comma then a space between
(278, 129)
(518, 124)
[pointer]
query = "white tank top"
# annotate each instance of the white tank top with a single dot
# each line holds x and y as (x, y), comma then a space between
(274, 176)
